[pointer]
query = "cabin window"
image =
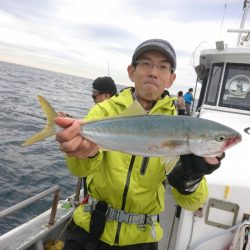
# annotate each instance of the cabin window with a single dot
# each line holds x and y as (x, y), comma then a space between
(214, 83)
(236, 87)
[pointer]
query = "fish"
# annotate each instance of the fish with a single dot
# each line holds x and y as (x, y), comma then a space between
(138, 133)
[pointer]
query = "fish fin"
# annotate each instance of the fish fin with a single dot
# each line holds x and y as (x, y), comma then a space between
(169, 162)
(101, 149)
(43, 134)
(48, 110)
(133, 110)
(49, 129)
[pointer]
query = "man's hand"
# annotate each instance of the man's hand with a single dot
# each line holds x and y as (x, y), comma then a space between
(189, 171)
(62, 114)
(214, 160)
(70, 140)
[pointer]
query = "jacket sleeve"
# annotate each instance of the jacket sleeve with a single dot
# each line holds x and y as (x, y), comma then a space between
(194, 200)
(84, 167)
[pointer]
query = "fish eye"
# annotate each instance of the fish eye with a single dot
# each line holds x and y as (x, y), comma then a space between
(221, 138)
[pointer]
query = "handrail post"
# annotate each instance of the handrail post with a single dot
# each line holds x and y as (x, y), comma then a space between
(54, 208)
(77, 194)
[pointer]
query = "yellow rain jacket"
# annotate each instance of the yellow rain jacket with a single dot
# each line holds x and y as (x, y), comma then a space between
(113, 178)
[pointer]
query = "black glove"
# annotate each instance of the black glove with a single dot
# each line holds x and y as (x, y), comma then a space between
(188, 172)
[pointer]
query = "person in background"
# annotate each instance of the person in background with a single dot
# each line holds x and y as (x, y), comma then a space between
(180, 104)
(126, 192)
(188, 97)
(103, 88)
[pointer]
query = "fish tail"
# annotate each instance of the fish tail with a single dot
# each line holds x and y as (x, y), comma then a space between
(50, 128)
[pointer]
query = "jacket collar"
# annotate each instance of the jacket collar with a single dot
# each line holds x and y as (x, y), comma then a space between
(126, 97)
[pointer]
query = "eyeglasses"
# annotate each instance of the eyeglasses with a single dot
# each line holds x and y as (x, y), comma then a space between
(147, 66)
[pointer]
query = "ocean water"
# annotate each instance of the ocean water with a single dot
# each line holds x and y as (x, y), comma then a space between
(26, 171)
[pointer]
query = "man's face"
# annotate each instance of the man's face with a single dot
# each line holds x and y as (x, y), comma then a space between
(150, 81)
(100, 97)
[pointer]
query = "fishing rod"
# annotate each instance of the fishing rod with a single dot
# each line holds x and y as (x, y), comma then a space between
(25, 113)
(37, 116)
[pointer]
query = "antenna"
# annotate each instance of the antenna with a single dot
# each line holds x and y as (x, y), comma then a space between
(241, 30)
(243, 20)
(108, 67)
(222, 21)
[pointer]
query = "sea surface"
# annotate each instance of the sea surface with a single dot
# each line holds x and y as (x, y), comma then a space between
(26, 171)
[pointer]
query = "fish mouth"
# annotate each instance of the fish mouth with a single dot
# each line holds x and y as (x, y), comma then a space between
(232, 141)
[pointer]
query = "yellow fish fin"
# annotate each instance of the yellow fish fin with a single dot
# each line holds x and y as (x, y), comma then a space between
(49, 129)
(133, 110)
(51, 114)
(101, 149)
(169, 162)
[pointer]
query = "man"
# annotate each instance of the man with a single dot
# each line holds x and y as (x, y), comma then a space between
(103, 88)
(126, 192)
(180, 103)
(188, 97)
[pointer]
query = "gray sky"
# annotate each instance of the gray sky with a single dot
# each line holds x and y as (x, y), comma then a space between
(82, 37)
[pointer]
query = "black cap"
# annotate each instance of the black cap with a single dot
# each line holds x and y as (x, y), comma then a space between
(105, 85)
(160, 45)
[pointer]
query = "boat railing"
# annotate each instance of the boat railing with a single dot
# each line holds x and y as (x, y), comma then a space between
(22, 204)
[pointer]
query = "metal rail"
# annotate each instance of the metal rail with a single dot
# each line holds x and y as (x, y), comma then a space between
(22, 204)
(78, 189)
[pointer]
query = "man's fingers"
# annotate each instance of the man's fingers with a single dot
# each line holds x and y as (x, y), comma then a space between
(85, 149)
(63, 122)
(89, 151)
(71, 141)
(72, 129)
(72, 145)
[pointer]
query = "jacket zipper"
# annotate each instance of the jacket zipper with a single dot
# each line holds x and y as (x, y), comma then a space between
(125, 192)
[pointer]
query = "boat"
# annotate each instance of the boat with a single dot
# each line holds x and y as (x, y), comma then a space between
(224, 220)
(224, 74)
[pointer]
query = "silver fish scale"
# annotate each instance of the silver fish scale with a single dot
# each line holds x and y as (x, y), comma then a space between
(157, 135)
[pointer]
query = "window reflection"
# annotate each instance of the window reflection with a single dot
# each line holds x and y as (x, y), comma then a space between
(236, 90)
(213, 88)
